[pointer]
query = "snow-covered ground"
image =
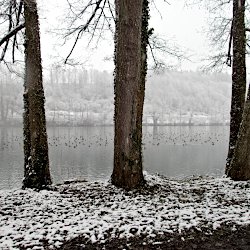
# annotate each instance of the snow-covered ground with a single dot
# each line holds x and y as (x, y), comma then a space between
(98, 211)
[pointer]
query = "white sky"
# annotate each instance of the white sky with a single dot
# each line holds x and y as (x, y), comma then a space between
(185, 26)
(180, 25)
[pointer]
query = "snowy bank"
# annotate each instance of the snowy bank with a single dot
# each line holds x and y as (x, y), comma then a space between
(98, 211)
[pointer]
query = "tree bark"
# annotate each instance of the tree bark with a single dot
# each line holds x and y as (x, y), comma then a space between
(144, 67)
(127, 172)
(26, 137)
(239, 169)
(36, 159)
(238, 75)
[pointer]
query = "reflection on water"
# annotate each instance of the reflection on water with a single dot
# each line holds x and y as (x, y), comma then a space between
(87, 152)
(11, 164)
(184, 151)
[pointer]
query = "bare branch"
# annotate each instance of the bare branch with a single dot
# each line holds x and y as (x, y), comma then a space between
(17, 23)
(157, 9)
(73, 47)
(10, 27)
(83, 28)
(111, 10)
(159, 45)
(229, 57)
(97, 21)
(215, 62)
(11, 33)
(219, 32)
(12, 18)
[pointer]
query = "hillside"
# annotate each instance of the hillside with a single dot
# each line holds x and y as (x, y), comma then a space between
(81, 97)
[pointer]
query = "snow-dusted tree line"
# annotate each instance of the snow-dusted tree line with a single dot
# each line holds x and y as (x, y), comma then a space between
(79, 96)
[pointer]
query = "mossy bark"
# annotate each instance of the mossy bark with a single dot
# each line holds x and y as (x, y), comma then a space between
(26, 133)
(127, 171)
(141, 92)
(36, 159)
(238, 75)
(239, 168)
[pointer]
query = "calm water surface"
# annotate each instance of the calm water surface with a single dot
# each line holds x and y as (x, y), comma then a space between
(87, 152)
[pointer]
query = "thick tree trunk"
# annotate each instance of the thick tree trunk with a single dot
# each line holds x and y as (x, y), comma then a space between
(36, 173)
(239, 169)
(26, 135)
(127, 172)
(141, 92)
(238, 75)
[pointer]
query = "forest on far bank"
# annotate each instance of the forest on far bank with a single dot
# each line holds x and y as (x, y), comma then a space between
(77, 96)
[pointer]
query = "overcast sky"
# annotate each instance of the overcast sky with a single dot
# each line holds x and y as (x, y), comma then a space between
(180, 25)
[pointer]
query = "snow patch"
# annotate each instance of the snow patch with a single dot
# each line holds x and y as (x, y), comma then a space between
(98, 211)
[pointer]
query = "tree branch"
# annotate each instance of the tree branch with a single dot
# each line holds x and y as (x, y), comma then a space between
(11, 33)
(17, 23)
(229, 57)
(83, 28)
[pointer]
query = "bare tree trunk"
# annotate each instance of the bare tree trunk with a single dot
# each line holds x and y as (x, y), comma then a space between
(238, 75)
(36, 172)
(127, 172)
(26, 135)
(239, 169)
(144, 67)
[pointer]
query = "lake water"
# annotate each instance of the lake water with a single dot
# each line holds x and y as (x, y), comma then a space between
(87, 152)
